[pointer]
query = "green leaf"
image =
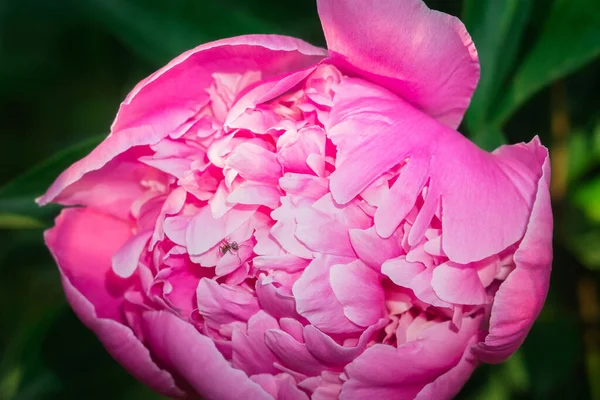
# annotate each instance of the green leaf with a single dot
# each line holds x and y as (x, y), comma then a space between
(579, 156)
(587, 198)
(579, 233)
(569, 39)
(496, 27)
(9, 383)
(17, 197)
(16, 221)
(584, 153)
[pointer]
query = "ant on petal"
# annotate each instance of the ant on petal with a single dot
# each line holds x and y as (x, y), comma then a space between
(231, 247)
(228, 247)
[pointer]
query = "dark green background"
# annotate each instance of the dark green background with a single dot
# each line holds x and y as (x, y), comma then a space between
(65, 65)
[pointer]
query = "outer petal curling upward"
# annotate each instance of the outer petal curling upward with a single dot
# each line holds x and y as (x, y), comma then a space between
(424, 56)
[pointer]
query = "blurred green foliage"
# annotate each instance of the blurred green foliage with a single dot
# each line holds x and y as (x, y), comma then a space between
(66, 64)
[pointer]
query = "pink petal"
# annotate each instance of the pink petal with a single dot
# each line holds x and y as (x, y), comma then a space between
(309, 186)
(324, 226)
(424, 56)
(255, 163)
(250, 353)
(472, 185)
(225, 88)
(289, 391)
(146, 210)
(255, 193)
(269, 383)
(204, 231)
(176, 167)
(401, 197)
(266, 245)
(281, 386)
(402, 272)
(239, 275)
(434, 246)
(184, 282)
(95, 180)
(270, 54)
(381, 371)
(232, 260)
(294, 154)
(458, 284)
(372, 249)
(449, 384)
(321, 232)
(424, 217)
(414, 276)
(286, 262)
(200, 185)
(180, 346)
(284, 232)
(113, 188)
(316, 301)
(421, 286)
(521, 296)
(418, 254)
(398, 300)
(317, 163)
(172, 205)
(220, 148)
(223, 304)
(413, 327)
(275, 302)
(324, 387)
(293, 327)
(82, 243)
(218, 202)
(285, 227)
(329, 352)
(125, 260)
(377, 191)
(358, 289)
(488, 269)
(292, 353)
(175, 228)
(240, 116)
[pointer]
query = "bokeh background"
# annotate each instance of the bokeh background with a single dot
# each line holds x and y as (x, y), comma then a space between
(65, 65)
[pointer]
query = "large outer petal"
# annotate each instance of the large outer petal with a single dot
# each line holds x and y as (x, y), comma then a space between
(82, 243)
(425, 56)
(167, 98)
(521, 296)
(485, 198)
(195, 357)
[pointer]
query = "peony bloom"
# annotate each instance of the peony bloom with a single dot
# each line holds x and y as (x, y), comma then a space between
(271, 220)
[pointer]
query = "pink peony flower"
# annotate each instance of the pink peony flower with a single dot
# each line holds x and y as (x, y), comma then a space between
(271, 220)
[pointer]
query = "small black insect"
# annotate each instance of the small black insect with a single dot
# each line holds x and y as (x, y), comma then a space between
(228, 247)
